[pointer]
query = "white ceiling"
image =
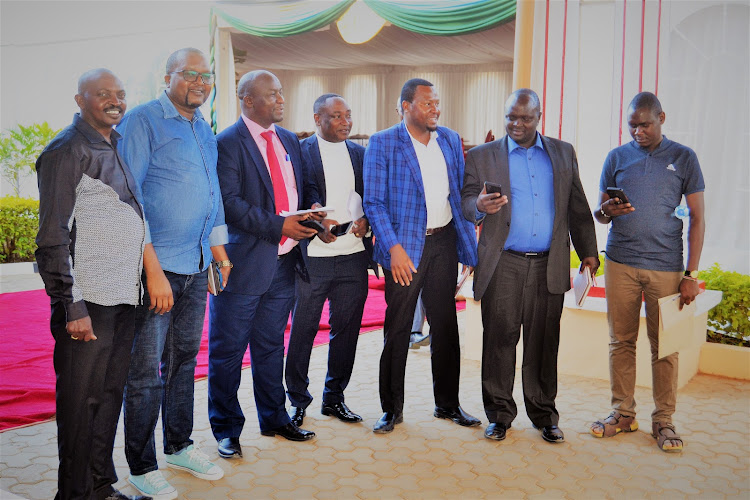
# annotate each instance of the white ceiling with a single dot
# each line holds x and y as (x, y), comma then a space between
(325, 49)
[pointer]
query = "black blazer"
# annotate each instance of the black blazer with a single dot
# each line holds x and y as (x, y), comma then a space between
(312, 160)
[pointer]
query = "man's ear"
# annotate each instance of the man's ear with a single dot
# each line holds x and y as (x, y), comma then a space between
(316, 116)
(79, 100)
(167, 80)
(662, 117)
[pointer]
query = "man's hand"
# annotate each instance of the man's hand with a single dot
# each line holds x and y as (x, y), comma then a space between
(490, 203)
(224, 275)
(689, 289)
(318, 215)
(613, 208)
(327, 237)
(361, 226)
(590, 262)
(160, 292)
(81, 329)
(296, 231)
(401, 265)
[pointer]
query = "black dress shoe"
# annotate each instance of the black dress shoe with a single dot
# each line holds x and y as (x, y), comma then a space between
(496, 431)
(230, 448)
(385, 424)
(552, 434)
(340, 411)
(297, 415)
(290, 432)
(118, 495)
(457, 415)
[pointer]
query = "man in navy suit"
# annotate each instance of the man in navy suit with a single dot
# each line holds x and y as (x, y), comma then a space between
(262, 174)
(337, 265)
(413, 175)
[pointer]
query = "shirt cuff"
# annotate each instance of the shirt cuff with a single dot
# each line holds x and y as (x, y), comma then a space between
(479, 216)
(219, 236)
(147, 236)
(75, 310)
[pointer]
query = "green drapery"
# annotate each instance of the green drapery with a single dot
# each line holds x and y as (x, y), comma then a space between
(444, 17)
(279, 20)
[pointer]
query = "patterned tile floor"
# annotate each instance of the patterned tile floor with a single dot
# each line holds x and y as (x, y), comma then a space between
(430, 458)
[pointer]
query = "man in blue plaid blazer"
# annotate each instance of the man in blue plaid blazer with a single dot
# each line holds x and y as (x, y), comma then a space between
(413, 175)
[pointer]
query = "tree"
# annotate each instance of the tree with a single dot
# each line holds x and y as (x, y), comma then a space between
(19, 149)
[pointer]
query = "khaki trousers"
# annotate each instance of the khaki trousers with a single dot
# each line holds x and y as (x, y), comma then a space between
(626, 287)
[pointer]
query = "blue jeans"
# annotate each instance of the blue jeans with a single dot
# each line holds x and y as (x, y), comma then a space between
(162, 371)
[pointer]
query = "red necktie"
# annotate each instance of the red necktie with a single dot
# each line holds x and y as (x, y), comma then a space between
(279, 188)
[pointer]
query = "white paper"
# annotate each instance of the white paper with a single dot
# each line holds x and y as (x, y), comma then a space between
(582, 283)
(462, 279)
(354, 205)
(308, 211)
(675, 326)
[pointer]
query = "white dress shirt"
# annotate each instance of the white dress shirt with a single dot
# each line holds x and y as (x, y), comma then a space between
(435, 180)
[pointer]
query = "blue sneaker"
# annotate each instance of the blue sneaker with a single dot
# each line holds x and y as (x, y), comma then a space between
(154, 485)
(195, 462)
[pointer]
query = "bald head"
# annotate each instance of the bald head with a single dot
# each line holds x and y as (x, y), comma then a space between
(261, 97)
(523, 96)
(522, 113)
(90, 77)
(176, 59)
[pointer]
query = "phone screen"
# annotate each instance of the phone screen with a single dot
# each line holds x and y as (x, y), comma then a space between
(491, 187)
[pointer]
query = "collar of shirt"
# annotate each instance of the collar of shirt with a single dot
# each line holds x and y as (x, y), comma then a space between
(664, 144)
(322, 143)
(255, 130)
(91, 134)
(170, 111)
(433, 137)
(513, 145)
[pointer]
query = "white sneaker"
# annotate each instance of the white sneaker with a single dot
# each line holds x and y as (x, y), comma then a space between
(154, 485)
(195, 462)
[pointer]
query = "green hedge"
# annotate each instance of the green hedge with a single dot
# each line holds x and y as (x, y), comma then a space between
(731, 318)
(19, 222)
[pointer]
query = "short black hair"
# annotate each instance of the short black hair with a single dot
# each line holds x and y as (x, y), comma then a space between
(646, 100)
(175, 57)
(410, 88)
(321, 101)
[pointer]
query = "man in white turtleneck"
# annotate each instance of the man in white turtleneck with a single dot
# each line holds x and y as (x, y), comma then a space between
(337, 265)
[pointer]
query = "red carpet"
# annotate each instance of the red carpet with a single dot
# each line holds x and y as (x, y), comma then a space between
(27, 377)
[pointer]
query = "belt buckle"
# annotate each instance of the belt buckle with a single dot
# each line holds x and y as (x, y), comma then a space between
(532, 254)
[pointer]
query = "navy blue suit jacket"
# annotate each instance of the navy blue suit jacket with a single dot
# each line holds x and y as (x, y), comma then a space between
(312, 159)
(249, 208)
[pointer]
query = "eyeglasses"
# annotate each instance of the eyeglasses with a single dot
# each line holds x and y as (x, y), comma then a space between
(191, 76)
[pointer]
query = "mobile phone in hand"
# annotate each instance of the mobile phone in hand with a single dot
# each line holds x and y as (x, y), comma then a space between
(341, 229)
(615, 192)
(491, 187)
(313, 224)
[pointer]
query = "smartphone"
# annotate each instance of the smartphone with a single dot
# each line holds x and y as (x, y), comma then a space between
(615, 192)
(341, 229)
(491, 187)
(313, 224)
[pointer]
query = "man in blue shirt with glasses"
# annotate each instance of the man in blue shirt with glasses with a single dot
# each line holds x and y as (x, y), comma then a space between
(171, 151)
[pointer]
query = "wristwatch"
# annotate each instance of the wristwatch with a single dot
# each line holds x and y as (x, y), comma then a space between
(224, 263)
(692, 275)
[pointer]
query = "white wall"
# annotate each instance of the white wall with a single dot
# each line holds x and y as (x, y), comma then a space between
(46, 46)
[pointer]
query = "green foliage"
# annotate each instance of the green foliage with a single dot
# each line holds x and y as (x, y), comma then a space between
(19, 149)
(575, 262)
(19, 222)
(731, 318)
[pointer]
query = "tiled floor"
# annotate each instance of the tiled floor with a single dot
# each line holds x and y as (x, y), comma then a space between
(430, 458)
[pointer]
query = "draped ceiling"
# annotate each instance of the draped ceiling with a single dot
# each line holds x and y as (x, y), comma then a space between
(457, 42)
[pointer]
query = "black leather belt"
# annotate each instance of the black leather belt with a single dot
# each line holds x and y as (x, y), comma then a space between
(528, 255)
(436, 230)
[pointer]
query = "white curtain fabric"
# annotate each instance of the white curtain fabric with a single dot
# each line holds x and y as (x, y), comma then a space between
(471, 96)
(706, 100)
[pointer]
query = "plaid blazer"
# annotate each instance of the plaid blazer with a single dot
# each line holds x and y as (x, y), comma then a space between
(394, 200)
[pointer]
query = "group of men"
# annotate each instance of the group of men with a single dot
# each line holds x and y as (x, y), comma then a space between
(131, 219)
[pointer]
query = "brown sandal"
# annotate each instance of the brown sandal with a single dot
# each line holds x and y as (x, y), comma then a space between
(664, 432)
(614, 424)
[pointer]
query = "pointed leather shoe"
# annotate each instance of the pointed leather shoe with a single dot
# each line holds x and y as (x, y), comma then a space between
(458, 415)
(386, 423)
(290, 432)
(496, 431)
(230, 448)
(118, 495)
(297, 415)
(553, 434)
(340, 411)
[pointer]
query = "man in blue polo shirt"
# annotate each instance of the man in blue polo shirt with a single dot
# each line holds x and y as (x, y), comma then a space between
(644, 257)
(172, 153)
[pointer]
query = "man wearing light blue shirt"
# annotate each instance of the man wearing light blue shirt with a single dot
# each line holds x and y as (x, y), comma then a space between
(171, 151)
(524, 260)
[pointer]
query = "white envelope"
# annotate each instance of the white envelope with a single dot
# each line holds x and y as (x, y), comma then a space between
(675, 326)
(354, 205)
